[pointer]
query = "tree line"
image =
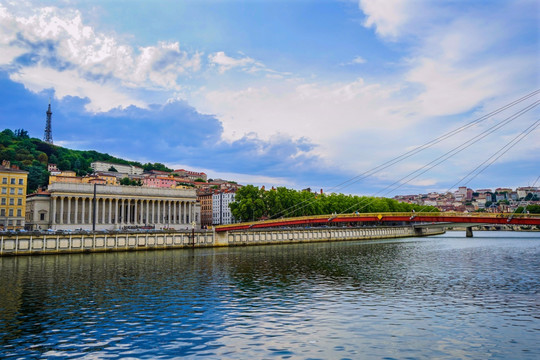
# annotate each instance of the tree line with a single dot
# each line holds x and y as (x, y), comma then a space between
(253, 203)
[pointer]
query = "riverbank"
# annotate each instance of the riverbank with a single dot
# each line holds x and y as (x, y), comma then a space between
(29, 244)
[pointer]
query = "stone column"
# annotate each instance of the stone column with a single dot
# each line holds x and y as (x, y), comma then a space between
(76, 217)
(110, 211)
(183, 212)
(147, 212)
(123, 213)
(68, 220)
(128, 211)
(83, 220)
(116, 211)
(90, 210)
(135, 211)
(164, 212)
(103, 211)
(168, 212)
(61, 210)
(53, 214)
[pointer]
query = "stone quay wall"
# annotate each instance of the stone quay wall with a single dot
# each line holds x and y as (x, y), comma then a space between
(28, 244)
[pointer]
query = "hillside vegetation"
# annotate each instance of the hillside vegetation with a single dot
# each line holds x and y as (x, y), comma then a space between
(33, 155)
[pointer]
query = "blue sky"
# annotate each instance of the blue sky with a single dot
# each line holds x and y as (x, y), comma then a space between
(279, 93)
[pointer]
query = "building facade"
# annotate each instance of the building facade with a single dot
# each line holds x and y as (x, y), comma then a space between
(192, 175)
(205, 201)
(121, 168)
(12, 196)
(221, 212)
(67, 206)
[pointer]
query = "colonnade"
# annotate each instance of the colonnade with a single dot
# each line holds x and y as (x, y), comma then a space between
(78, 210)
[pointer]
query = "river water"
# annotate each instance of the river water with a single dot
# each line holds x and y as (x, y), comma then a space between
(444, 297)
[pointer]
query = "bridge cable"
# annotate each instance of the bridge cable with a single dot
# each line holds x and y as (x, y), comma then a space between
(456, 150)
(432, 142)
(503, 150)
(412, 152)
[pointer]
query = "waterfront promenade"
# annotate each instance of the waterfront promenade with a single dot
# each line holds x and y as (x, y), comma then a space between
(29, 244)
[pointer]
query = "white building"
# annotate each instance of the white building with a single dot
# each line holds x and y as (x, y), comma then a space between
(69, 206)
(123, 169)
(221, 212)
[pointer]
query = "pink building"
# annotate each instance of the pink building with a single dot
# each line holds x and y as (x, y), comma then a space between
(159, 182)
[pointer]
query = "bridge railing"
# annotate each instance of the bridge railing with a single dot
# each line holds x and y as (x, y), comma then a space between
(314, 219)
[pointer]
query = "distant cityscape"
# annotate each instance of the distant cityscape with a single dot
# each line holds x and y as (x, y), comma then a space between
(117, 196)
(465, 199)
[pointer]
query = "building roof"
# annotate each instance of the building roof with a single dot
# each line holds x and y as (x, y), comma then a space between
(6, 169)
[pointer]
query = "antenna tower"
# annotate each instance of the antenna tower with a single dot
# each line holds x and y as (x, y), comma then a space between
(48, 132)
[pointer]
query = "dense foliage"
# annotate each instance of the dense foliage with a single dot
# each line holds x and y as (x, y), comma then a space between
(531, 209)
(252, 203)
(32, 155)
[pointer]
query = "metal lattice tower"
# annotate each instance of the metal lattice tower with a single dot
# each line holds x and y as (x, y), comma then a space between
(48, 132)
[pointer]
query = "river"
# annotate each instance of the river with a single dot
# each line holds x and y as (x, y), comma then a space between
(444, 297)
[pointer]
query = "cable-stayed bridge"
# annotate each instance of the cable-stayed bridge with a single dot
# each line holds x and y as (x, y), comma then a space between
(354, 216)
(417, 220)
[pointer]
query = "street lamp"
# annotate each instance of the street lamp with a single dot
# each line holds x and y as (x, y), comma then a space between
(94, 201)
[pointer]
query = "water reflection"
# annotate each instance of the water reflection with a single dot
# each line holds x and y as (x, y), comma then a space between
(442, 297)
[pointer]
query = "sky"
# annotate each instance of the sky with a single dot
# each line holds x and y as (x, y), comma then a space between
(291, 93)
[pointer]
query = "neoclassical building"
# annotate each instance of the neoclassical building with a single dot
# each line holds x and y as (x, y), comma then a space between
(70, 206)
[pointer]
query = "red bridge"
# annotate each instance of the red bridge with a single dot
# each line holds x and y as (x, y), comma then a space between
(446, 219)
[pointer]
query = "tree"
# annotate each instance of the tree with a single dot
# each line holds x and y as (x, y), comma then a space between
(43, 158)
(64, 165)
(53, 159)
(21, 133)
(124, 181)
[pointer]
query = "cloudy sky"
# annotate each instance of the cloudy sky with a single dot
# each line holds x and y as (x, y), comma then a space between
(291, 93)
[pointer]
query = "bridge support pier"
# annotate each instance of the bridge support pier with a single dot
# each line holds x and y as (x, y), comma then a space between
(468, 232)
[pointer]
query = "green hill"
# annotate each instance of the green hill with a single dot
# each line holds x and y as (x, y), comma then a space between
(33, 155)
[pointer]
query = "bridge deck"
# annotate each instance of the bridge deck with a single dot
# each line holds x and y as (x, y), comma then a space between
(446, 217)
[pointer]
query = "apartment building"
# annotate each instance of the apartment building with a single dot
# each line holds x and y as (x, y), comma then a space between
(12, 196)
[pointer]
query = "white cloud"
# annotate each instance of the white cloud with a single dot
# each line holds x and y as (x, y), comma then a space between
(69, 83)
(94, 59)
(455, 62)
(359, 60)
(387, 16)
(225, 62)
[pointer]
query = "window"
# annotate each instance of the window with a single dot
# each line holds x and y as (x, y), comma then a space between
(18, 222)
(11, 201)
(19, 192)
(19, 213)
(2, 212)
(42, 216)
(12, 191)
(3, 201)
(19, 201)
(12, 181)
(4, 190)
(4, 180)
(10, 212)
(21, 182)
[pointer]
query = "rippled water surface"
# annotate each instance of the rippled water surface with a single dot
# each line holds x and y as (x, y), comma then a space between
(442, 297)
